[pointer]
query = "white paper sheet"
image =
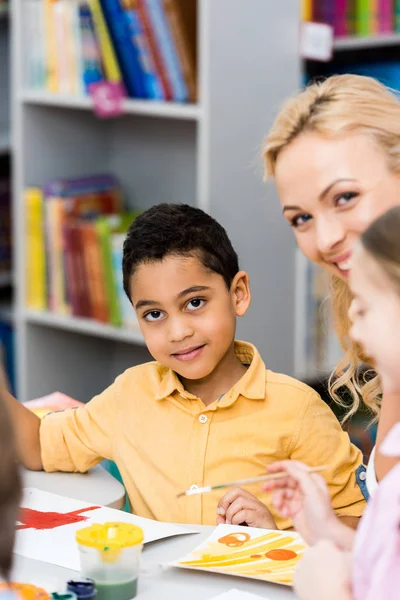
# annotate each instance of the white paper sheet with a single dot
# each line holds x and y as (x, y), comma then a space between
(56, 545)
(264, 554)
(238, 595)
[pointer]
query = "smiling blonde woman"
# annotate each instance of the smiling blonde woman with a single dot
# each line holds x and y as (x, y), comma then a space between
(334, 152)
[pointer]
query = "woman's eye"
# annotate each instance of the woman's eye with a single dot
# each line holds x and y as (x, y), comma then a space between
(345, 198)
(154, 315)
(195, 303)
(300, 220)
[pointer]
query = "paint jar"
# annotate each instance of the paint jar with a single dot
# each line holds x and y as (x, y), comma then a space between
(63, 596)
(110, 554)
(84, 589)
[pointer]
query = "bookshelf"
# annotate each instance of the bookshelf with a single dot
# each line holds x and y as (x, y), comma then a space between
(315, 357)
(205, 154)
(360, 43)
(168, 110)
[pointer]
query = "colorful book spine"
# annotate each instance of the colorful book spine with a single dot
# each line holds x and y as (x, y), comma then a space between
(385, 16)
(397, 16)
(128, 314)
(181, 16)
(152, 82)
(125, 50)
(170, 58)
(51, 44)
(365, 17)
(340, 24)
(36, 295)
(35, 38)
(154, 49)
(92, 71)
(306, 10)
(61, 51)
(104, 226)
(110, 63)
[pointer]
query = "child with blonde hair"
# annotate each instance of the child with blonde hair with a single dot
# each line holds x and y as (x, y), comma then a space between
(343, 565)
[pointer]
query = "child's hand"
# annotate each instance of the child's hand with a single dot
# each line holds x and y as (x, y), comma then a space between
(324, 572)
(239, 507)
(303, 497)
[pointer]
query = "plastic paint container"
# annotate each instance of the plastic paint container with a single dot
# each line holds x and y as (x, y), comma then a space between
(110, 554)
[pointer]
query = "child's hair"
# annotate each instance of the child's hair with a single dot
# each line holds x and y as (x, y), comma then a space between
(10, 489)
(382, 242)
(180, 230)
(340, 105)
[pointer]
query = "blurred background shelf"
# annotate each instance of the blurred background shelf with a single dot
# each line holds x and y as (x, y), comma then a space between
(360, 43)
(149, 108)
(84, 326)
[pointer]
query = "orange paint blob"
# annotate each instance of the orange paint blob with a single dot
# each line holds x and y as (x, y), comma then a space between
(256, 556)
(281, 554)
(234, 540)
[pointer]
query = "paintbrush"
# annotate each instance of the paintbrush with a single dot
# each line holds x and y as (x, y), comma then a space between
(266, 477)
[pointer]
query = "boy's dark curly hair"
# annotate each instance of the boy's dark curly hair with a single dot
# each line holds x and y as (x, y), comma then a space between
(181, 230)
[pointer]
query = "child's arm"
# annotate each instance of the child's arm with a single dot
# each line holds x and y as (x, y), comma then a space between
(304, 497)
(324, 573)
(389, 416)
(26, 427)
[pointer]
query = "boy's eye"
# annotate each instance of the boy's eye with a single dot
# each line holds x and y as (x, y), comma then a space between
(299, 220)
(154, 315)
(345, 198)
(195, 303)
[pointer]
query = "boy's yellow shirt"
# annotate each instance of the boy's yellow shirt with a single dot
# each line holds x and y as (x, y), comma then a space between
(165, 440)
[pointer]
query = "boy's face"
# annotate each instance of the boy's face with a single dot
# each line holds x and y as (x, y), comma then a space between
(186, 313)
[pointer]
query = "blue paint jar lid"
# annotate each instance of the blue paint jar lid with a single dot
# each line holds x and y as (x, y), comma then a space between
(85, 588)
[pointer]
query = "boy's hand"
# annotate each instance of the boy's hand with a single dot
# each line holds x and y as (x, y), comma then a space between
(239, 507)
(324, 572)
(303, 497)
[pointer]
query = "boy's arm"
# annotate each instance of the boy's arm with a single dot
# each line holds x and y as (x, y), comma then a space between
(320, 440)
(26, 429)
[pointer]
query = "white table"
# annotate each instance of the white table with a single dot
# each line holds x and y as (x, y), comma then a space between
(155, 582)
(97, 486)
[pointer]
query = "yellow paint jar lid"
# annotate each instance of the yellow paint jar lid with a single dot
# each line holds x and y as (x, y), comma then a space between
(110, 536)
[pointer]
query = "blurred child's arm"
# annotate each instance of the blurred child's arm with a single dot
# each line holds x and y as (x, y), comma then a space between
(324, 572)
(26, 428)
(238, 507)
(389, 416)
(304, 498)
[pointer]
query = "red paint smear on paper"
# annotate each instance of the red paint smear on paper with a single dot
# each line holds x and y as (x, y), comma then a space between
(35, 519)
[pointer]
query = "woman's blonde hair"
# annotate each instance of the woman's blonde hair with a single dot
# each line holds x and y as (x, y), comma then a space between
(337, 106)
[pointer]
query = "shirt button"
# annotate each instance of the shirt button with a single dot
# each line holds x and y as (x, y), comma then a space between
(194, 487)
(363, 476)
(203, 418)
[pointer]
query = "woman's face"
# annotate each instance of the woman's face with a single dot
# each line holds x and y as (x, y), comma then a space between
(330, 191)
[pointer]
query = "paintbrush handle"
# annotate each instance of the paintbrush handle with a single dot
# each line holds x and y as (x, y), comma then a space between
(266, 477)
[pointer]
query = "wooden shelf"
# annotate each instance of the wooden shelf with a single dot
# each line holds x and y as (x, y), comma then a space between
(359, 43)
(167, 110)
(84, 326)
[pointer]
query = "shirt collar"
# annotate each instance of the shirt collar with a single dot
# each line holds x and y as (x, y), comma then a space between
(251, 385)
